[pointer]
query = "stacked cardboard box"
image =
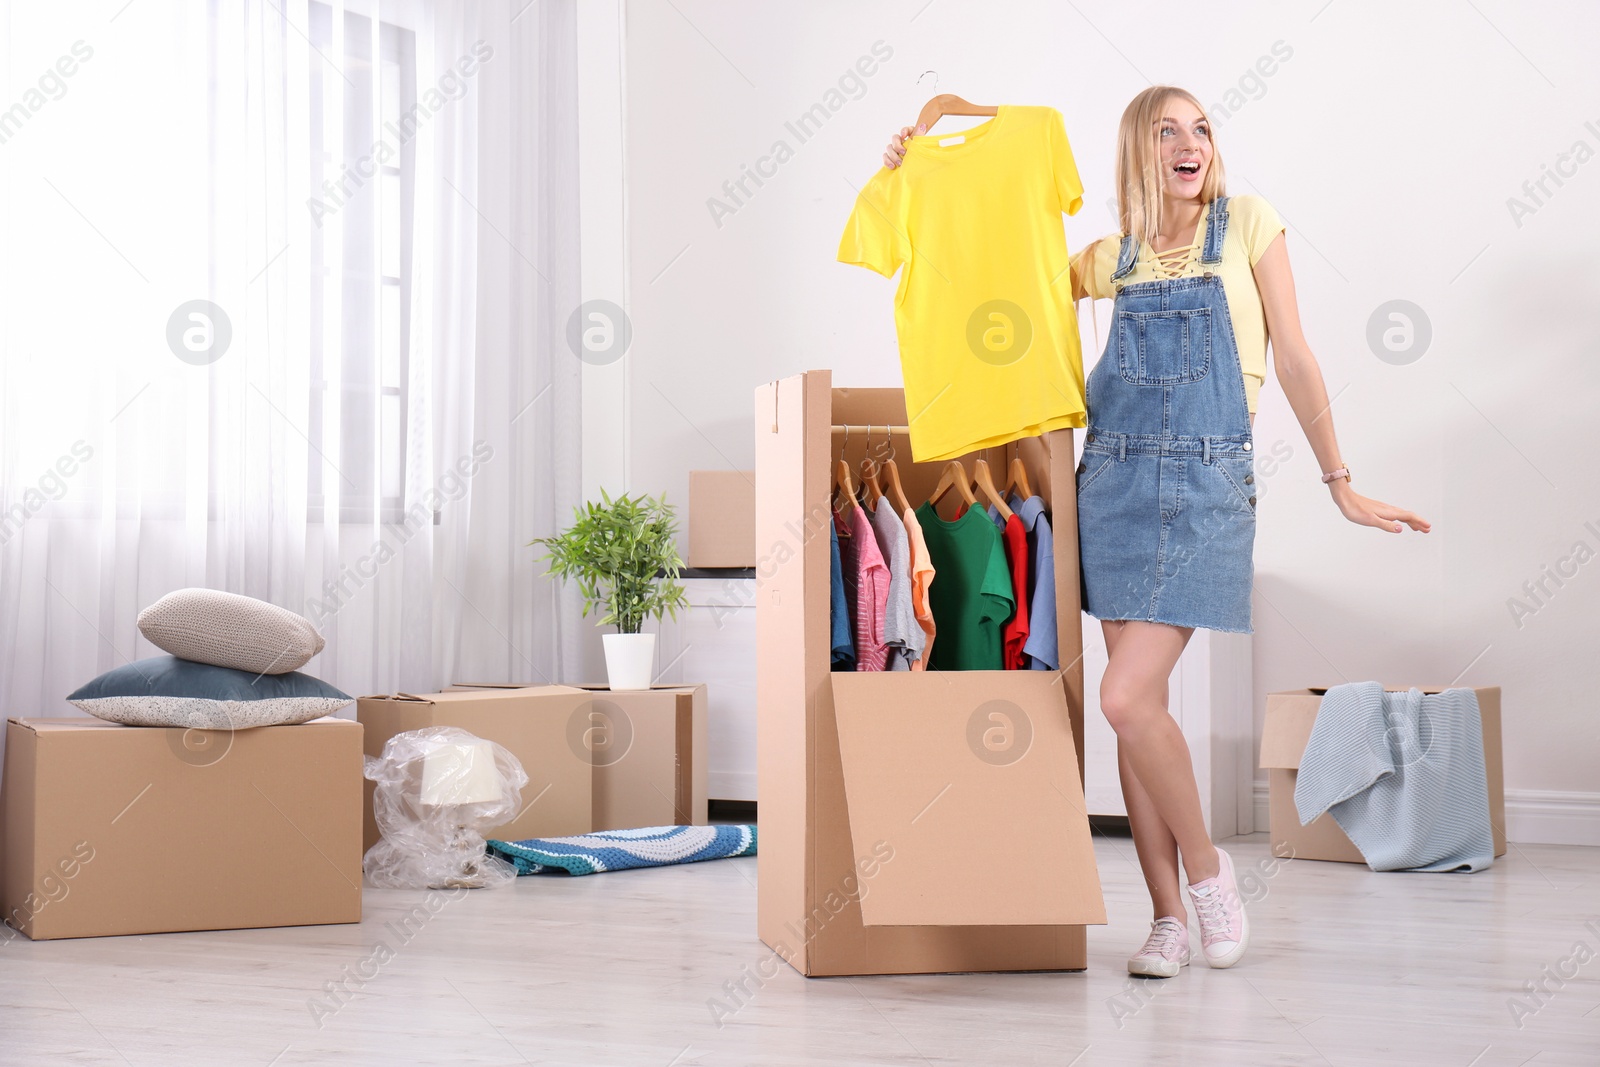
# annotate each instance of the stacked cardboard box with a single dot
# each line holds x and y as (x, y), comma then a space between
(649, 756)
(722, 517)
(115, 829)
(595, 759)
(532, 723)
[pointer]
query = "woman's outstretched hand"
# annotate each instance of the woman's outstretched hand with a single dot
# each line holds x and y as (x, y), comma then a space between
(1365, 511)
(897, 146)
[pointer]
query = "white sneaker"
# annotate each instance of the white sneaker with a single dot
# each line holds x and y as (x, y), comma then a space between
(1164, 951)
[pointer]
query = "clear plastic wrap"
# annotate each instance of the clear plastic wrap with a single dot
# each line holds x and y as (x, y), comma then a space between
(437, 791)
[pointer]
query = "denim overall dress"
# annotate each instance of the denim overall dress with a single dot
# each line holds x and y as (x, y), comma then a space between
(1166, 487)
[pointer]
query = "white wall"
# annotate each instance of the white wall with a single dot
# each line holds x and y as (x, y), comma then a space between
(1390, 140)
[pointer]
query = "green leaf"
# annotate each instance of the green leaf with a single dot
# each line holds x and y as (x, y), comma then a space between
(612, 551)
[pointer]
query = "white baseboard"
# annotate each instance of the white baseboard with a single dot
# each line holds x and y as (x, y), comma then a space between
(731, 785)
(1552, 817)
(1533, 816)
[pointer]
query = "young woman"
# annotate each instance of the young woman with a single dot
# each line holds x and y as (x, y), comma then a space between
(1166, 489)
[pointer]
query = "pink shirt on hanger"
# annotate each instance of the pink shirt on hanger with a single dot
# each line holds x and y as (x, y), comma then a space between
(866, 579)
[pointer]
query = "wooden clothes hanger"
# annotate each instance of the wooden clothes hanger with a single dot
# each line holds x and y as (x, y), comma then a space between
(1018, 477)
(869, 475)
(842, 483)
(954, 477)
(986, 484)
(891, 474)
(846, 488)
(949, 104)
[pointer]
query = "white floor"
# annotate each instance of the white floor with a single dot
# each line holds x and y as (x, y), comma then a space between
(1346, 967)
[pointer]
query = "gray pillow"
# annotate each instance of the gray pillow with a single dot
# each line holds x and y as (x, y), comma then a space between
(167, 691)
(229, 630)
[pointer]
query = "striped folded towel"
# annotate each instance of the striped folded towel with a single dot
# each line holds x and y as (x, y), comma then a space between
(616, 850)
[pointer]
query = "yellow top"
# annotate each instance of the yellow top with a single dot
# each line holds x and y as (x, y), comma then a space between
(988, 333)
(1252, 224)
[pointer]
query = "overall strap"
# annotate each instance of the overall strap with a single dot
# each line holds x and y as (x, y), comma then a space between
(1216, 230)
(1126, 257)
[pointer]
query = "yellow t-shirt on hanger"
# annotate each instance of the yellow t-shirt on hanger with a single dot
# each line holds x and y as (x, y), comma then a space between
(984, 315)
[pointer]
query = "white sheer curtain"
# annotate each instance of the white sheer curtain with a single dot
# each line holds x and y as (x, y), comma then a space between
(522, 201)
(380, 199)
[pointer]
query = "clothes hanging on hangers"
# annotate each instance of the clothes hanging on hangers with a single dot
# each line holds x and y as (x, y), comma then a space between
(1041, 650)
(841, 626)
(899, 618)
(1014, 538)
(988, 334)
(866, 582)
(922, 575)
(972, 596)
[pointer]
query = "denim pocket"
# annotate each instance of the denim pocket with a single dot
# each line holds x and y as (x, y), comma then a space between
(1164, 347)
(1093, 465)
(1238, 472)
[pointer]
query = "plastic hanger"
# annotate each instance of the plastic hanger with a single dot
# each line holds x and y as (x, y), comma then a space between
(980, 475)
(869, 475)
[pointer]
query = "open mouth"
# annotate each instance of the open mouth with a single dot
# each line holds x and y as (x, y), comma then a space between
(1188, 170)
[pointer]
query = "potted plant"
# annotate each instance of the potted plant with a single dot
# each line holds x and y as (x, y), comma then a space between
(623, 555)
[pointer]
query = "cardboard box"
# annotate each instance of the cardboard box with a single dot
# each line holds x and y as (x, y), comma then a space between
(921, 821)
(722, 519)
(542, 726)
(648, 750)
(114, 829)
(1290, 716)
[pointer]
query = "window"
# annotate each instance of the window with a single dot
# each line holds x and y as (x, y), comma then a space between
(363, 169)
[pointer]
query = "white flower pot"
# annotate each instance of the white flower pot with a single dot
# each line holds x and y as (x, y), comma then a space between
(630, 660)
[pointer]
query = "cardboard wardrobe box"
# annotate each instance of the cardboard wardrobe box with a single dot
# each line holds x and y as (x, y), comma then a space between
(911, 822)
(1290, 716)
(113, 829)
(648, 750)
(722, 519)
(540, 725)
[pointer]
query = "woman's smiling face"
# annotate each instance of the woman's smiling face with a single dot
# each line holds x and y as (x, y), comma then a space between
(1185, 139)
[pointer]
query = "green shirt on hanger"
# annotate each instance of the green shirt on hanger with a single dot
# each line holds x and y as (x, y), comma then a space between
(971, 595)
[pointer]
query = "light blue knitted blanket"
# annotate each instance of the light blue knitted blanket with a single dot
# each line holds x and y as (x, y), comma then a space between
(1403, 776)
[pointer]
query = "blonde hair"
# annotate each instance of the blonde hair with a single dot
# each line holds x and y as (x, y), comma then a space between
(1140, 181)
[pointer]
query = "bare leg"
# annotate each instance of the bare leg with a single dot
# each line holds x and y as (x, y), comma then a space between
(1133, 700)
(1152, 839)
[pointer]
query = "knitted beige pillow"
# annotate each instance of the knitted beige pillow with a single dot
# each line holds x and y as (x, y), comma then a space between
(229, 630)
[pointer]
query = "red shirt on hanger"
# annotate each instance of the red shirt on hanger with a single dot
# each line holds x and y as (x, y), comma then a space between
(1016, 631)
